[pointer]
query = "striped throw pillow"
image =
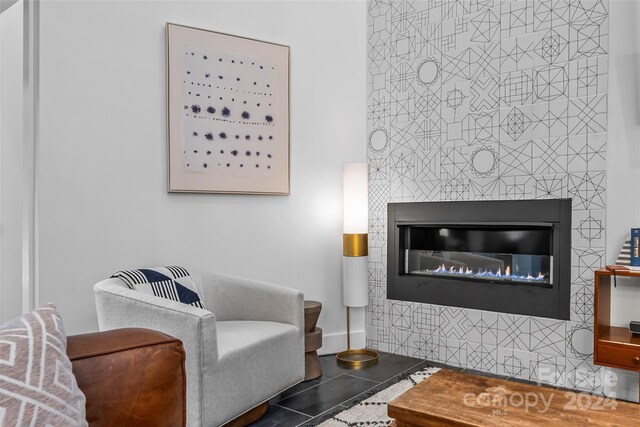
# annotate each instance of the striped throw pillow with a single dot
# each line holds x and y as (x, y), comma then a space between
(170, 282)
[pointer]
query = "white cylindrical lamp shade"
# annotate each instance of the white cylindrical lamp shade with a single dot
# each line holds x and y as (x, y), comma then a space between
(355, 198)
(355, 227)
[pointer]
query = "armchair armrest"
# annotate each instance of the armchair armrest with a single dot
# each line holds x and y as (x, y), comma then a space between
(120, 307)
(235, 298)
(130, 377)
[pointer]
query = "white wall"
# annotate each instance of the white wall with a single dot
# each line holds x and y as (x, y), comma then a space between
(623, 162)
(6, 4)
(11, 25)
(103, 202)
(623, 156)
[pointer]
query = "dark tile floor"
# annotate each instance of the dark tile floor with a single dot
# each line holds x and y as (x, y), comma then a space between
(309, 403)
(312, 402)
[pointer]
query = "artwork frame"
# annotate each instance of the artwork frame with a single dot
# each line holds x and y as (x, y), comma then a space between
(228, 113)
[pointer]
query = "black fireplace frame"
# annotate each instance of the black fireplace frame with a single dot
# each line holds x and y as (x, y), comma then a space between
(552, 302)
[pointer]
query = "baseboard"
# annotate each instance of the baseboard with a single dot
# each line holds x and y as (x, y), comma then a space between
(334, 343)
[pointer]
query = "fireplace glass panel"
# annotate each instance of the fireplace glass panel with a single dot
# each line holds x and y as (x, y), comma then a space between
(496, 254)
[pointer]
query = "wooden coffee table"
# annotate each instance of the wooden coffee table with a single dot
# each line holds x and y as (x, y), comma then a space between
(451, 398)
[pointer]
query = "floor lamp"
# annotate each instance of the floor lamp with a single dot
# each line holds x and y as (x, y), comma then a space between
(355, 251)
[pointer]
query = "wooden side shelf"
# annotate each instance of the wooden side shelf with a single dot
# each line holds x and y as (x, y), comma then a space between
(619, 335)
(613, 346)
(619, 273)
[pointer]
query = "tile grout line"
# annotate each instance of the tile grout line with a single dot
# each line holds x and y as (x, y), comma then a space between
(293, 410)
(423, 361)
(321, 414)
(360, 378)
(301, 391)
(340, 404)
(306, 389)
(366, 391)
(399, 373)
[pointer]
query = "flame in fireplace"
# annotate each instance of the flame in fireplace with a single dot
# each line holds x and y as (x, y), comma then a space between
(462, 271)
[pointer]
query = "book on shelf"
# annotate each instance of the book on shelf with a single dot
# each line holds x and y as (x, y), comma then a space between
(634, 259)
(624, 259)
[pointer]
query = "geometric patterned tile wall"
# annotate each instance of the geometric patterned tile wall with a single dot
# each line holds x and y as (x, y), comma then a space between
(489, 100)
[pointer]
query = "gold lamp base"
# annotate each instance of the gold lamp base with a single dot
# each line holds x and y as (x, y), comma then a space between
(356, 358)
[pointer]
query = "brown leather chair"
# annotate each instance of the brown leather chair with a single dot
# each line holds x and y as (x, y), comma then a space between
(130, 377)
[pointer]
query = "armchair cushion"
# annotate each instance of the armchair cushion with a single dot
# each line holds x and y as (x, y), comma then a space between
(173, 283)
(252, 336)
(257, 360)
(37, 386)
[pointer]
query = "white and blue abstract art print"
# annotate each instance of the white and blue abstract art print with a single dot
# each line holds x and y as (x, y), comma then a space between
(228, 104)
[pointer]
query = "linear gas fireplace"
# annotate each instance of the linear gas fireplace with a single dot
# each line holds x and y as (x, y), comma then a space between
(517, 254)
(506, 256)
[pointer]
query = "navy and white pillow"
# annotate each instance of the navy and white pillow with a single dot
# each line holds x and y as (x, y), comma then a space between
(171, 282)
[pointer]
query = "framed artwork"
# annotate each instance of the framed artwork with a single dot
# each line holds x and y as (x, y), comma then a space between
(228, 113)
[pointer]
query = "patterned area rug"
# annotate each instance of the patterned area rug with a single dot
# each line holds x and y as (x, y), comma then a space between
(372, 411)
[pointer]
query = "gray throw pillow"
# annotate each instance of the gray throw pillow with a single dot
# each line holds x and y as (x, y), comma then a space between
(37, 386)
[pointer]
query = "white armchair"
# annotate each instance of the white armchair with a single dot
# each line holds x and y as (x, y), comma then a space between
(248, 348)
